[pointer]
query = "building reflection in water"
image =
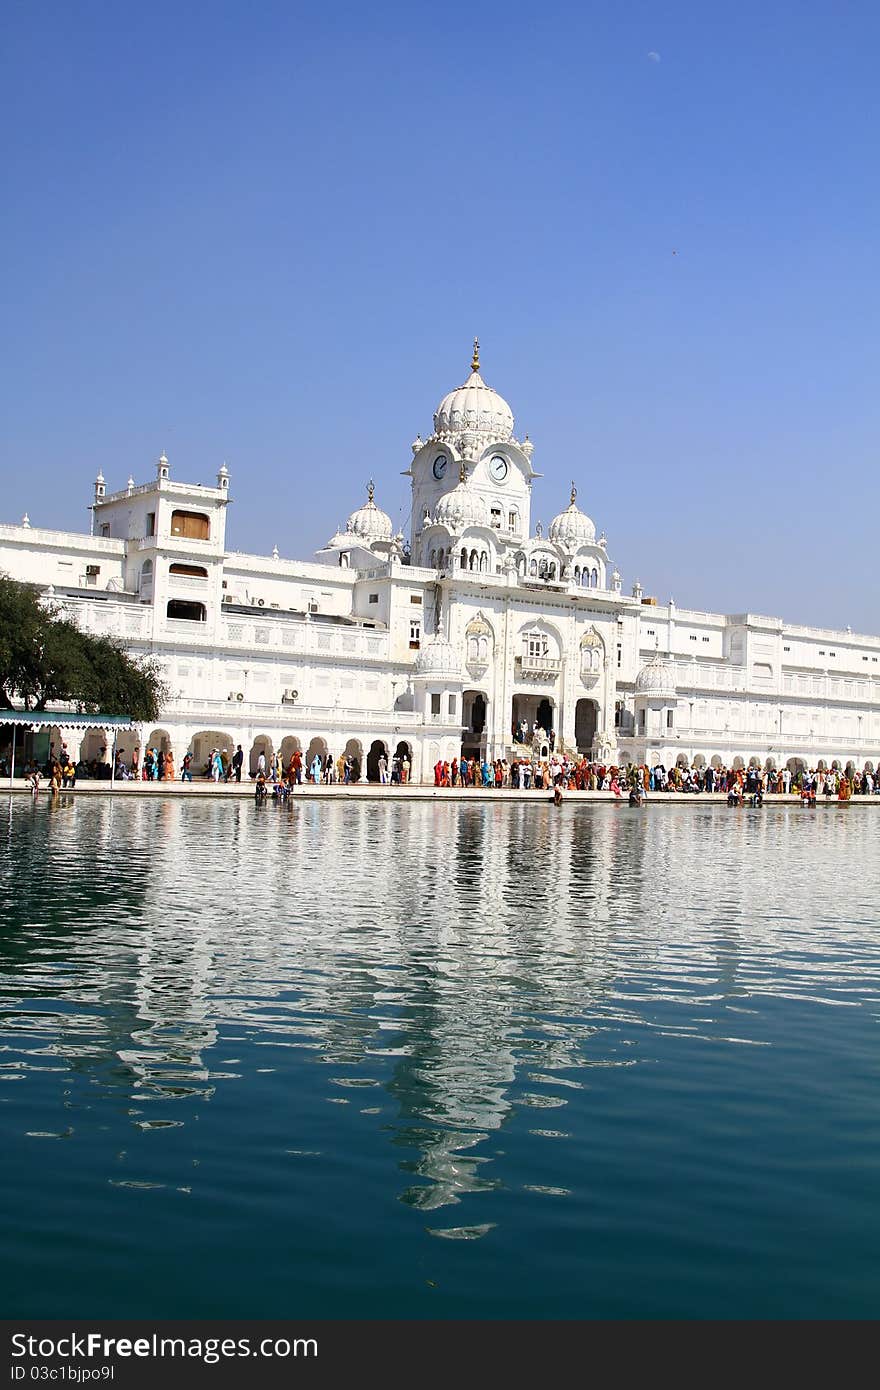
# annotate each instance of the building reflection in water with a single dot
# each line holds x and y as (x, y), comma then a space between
(463, 963)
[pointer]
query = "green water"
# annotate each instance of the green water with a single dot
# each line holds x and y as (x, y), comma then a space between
(438, 1060)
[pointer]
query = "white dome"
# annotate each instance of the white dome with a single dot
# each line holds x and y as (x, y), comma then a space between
(370, 523)
(656, 678)
(460, 508)
(474, 408)
(572, 527)
(438, 657)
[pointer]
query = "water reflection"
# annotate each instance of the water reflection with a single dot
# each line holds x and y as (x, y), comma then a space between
(451, 968)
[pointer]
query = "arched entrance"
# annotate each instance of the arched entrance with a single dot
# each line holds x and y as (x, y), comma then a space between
(203, 743)
(316, 749)
(586, 714)
(473, 704)
(354, 750)
(290, 744)
(529, 713)
(261, 744)
(377, 751)
(474, 710)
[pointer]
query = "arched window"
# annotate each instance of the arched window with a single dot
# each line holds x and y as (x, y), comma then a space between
(192, 571)
(433, 559)
(577, 574)
(484, 562)
(591, 653)
(533, 569)
(551, 571)
(595, 579)
(344, 560)
(464, 557)
(193, 525)
(185, 611)
(474, 560)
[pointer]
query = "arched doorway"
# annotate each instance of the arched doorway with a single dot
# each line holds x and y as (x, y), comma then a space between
(586, 714)
(474, 711)
(290, 744)
(354, 750)
(544, 715)
(316, 749)
(377, 751)
(261, 744)
(203, 743)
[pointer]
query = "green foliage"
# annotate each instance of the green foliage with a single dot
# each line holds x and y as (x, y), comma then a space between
(45, 657)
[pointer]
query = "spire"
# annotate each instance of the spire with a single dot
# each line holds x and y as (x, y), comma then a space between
(370, 490)
(462, 472)
(475, 360)
(574, 493)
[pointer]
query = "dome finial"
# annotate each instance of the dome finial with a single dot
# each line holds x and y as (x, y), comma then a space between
(370, 490)
(462, 472)
(475, 360)
(574, 493)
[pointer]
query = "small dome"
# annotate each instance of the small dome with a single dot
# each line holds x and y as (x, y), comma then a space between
(474, 408)
(438, 657)
(370, 523)
(656, 678)
(572, 527)
(461, 507)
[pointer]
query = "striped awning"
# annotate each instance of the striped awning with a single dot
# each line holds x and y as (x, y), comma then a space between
(63, 719)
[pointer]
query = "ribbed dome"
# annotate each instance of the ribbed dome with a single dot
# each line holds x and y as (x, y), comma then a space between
(656, 678)
(572, 527)
(438, 658)
(370, 523)
(460, 508)
(474, 408)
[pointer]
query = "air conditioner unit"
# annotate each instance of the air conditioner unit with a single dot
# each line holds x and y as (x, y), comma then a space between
(93, 569)
(235, 695)
(313, 607)
(227, 598)
(290, 695)
(261, 603)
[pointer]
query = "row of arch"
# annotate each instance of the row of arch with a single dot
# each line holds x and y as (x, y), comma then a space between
(739, 764)
(539, 567)
(202, 744)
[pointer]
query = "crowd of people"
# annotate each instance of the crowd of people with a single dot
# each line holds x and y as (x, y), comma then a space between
(582, 775)
(278, 775)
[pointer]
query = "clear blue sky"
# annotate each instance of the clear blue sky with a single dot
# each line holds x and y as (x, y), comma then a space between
(268, 232)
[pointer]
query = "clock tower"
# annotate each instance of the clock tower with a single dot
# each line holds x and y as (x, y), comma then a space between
(475, 465)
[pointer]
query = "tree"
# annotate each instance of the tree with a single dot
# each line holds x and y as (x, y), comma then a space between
(44, 656)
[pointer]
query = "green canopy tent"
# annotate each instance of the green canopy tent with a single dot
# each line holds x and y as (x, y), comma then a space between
(33, 723)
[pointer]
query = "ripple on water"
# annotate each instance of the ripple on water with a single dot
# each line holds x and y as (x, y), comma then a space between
(697, 988)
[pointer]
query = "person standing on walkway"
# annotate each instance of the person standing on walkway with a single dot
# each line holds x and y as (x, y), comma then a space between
(186, 768)
(237, 762)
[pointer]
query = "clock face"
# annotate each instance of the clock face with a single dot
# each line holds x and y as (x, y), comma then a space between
(498, 468)
(439, 466)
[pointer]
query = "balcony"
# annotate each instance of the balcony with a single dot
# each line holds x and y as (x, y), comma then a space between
(541, 668)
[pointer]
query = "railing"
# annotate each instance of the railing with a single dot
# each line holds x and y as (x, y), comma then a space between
(539, 665)
(296, 716)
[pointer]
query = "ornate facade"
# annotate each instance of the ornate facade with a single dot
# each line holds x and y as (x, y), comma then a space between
(476, 626)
